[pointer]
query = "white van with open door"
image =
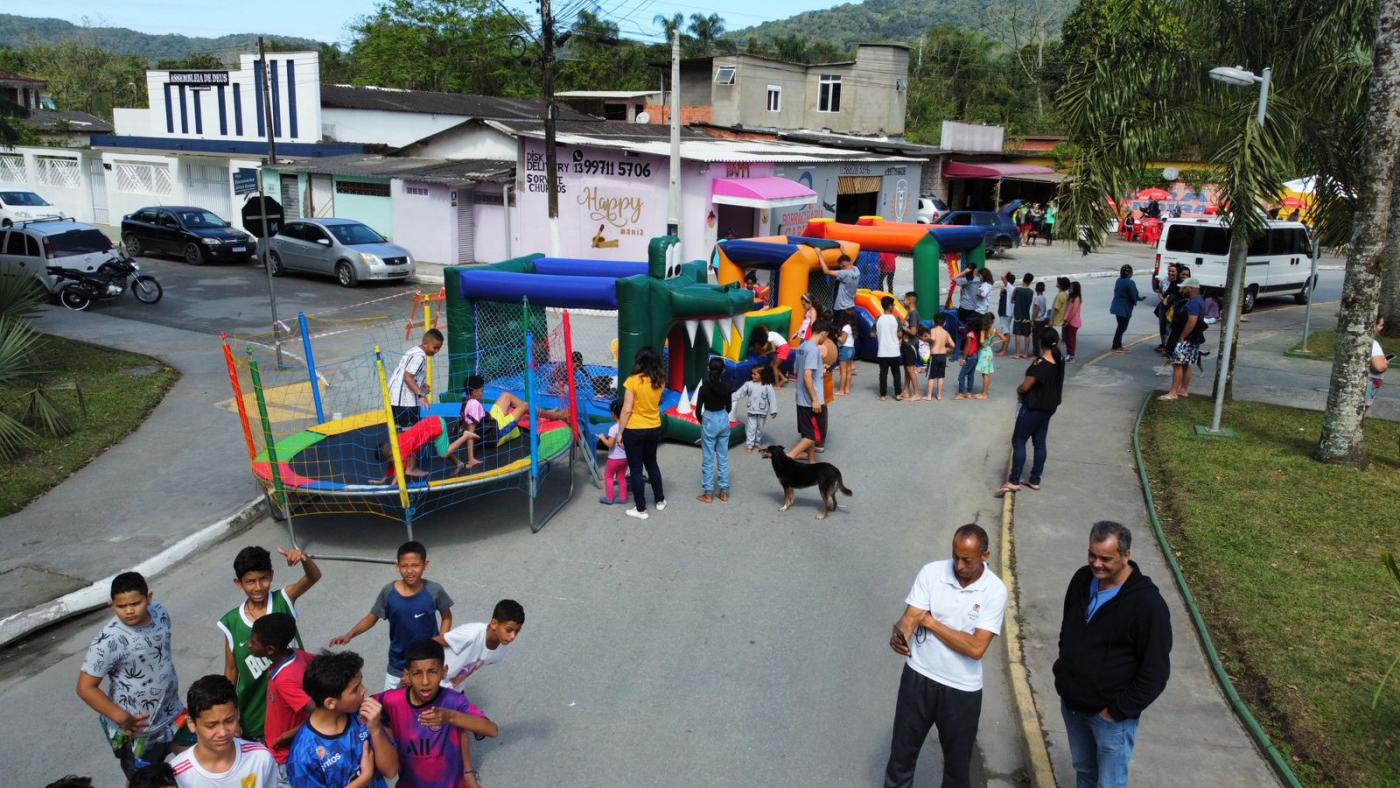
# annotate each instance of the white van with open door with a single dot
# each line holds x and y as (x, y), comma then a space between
(1276, 263)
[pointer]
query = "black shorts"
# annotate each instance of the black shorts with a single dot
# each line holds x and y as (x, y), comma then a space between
(937, 367)
(908, 356)
(811, 426)
(405, 416)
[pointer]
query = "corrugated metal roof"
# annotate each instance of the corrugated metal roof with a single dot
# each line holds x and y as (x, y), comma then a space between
(69, 121)
(713, 150)
(430, 102)
(606, 94)
(445, 171)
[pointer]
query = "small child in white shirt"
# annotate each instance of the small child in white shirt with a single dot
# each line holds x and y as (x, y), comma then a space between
(763, 402)
(616, 469)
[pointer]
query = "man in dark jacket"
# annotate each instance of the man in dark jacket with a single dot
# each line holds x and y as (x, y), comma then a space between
(1115, 656)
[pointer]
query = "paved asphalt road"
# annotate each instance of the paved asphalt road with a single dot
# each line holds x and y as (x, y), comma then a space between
(712, 645)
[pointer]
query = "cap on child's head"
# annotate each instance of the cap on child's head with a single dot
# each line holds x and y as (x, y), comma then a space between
(251, 559)
(127, 582)
(207, 692)
(509, 610)
(329, 674)
(276, 629)
(425, 649)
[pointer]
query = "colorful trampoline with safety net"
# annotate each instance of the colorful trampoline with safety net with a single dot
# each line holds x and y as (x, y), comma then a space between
(342, 457)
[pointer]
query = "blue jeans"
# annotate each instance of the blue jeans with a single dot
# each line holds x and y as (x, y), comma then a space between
(1032, 425)
(1100, 749)
(965, 375)
(714, 450)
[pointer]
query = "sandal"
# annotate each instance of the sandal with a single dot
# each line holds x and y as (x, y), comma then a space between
(704, 498)
(1033, 485)
(1167, 398)
(1008, 488)
(724, 497)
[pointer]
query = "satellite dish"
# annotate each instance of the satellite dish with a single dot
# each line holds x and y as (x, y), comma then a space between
(642, 117)
(1169, 173)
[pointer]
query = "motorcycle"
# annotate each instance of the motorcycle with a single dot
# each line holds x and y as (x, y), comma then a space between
(79, 289)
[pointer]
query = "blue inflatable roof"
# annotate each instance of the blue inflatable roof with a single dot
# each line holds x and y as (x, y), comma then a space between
(957, 239)
(570, 292)
(569, 266)
(757, 254)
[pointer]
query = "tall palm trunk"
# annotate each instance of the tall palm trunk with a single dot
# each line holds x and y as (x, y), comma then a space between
(1390, 285)
(1346, 396)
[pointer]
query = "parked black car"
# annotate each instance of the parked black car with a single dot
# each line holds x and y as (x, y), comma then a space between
(998, 228)
(195, 234)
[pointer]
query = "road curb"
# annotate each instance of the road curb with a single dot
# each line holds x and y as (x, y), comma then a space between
(1042, 774)
(97, 594)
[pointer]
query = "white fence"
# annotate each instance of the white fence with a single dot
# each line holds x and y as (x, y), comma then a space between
(58, 175)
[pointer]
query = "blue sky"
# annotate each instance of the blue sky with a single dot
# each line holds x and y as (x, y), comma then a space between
(327, 20)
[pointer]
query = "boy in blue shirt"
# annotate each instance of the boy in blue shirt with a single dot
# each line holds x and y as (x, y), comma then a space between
(343, 743)
(411, 604)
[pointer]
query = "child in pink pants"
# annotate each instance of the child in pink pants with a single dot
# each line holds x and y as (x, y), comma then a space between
(616, 469)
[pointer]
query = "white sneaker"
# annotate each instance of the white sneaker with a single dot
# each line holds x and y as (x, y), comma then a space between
(660, 506)
(639, 515)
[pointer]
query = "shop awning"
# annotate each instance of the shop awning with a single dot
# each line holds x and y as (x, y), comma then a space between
(761, 192)
(994, 170)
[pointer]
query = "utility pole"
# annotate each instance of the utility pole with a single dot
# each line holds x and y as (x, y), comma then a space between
(266, 239)
(551, 176)
(673, 202)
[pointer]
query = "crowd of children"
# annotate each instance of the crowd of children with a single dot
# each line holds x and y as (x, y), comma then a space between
(280, 715)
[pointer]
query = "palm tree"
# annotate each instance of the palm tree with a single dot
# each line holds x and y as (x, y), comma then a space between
(1346, 395)
(20, 372)
(706, 30)
(669, 24)
(1136, 89)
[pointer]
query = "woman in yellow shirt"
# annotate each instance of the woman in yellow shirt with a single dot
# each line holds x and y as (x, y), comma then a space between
(639, 428)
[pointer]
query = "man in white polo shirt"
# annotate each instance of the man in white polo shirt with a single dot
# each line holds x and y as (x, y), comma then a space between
(952, 613)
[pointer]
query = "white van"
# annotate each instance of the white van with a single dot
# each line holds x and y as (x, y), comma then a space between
(1276, 263)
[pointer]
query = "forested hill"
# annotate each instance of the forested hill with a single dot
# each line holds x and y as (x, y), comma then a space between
(18, 32)
(903, 21)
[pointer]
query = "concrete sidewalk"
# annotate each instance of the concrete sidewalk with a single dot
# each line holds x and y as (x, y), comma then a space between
(183, 471)
(1190, 735)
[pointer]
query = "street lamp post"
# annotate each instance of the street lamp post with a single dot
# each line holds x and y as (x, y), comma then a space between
(1241, 77)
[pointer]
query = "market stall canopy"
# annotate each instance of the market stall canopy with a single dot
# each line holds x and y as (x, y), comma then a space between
(761, 192)
(992, 169)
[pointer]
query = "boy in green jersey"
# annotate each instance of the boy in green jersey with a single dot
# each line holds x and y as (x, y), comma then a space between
(252, 570)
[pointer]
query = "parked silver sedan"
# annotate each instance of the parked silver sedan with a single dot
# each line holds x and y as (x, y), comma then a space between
(343, 248)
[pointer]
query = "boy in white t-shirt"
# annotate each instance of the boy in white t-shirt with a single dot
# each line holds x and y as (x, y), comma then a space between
(472, 647)
(219, 759)
(887, 348)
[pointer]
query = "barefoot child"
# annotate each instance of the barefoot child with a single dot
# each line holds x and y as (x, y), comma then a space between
(940, 345)
(762, 403)
(432, 430)
(412, 604)
(472, 427)
(846, 340)
(616, 469)
(990, 334)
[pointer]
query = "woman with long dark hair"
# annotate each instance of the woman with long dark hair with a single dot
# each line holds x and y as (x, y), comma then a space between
(1125, 298)
(1074, 318)
(716, 399)
(1039, 396)
(639, 427)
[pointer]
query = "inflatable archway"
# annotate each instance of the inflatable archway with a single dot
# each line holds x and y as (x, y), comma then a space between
(794, 258)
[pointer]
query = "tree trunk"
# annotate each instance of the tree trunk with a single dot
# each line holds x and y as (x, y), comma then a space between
(1346, 396)
(1390, 286)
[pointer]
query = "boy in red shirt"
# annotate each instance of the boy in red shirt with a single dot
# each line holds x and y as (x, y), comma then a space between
(288, 705)
(430, 430)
